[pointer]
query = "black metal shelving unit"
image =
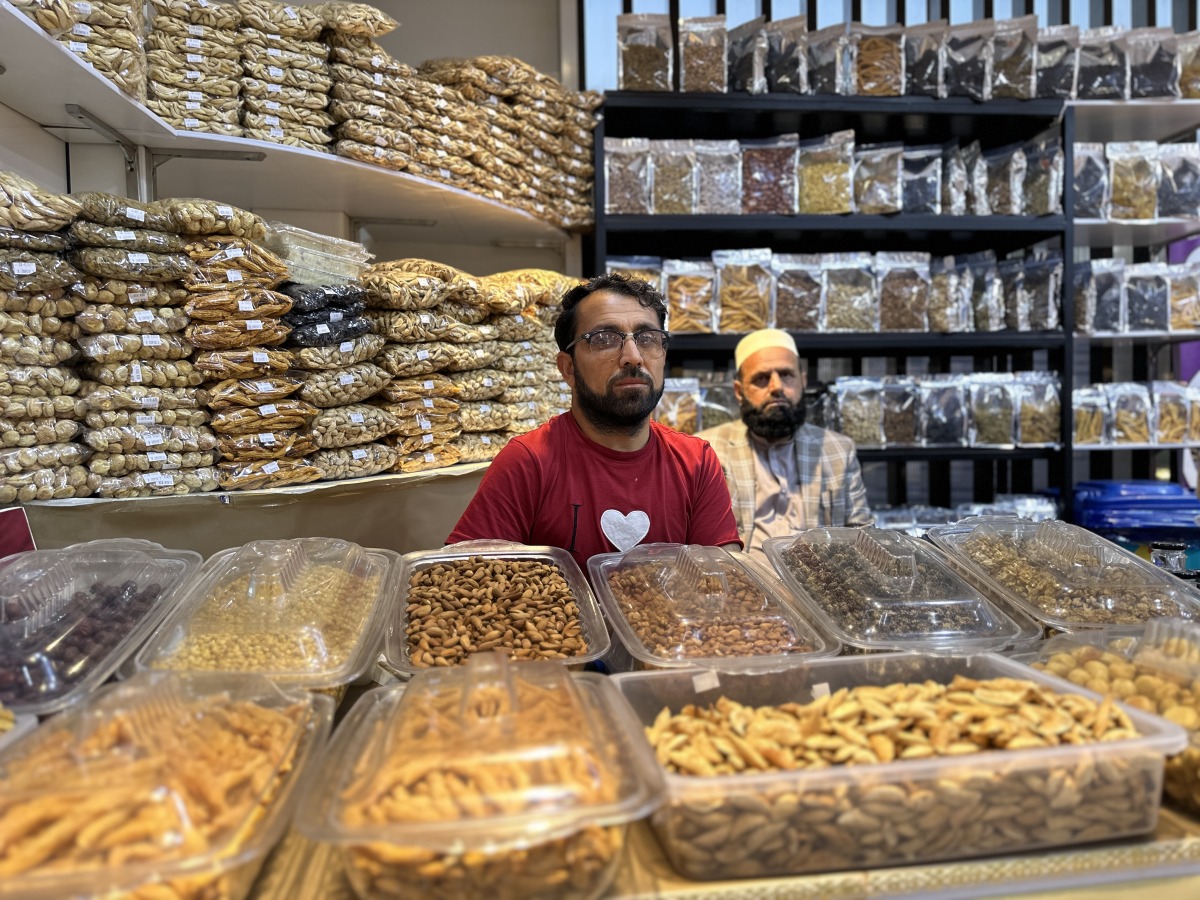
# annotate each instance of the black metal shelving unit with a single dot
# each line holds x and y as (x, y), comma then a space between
(915, 121)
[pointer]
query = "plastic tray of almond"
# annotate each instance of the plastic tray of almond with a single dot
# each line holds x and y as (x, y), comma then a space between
(891, 759)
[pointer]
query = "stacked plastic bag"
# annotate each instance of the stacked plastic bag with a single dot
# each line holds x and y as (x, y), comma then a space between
(106, 34)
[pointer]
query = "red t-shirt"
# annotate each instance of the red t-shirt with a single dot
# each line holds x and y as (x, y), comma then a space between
(555, 486)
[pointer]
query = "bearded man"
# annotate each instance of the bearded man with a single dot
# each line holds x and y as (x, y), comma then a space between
(783, 475)
(603, 476)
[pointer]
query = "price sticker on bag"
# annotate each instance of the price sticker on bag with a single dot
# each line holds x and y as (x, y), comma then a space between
(346, 346)
(276, 132)
(193, 75)
(156, 456)
(378, 78)
(525, 345)
(153, 439)
(488, 381)
(143, 419)
(263, 387)
(149, 403)
(227, 212)
(195, 95)
(194, 58)
(192, 43)
(254, 325)
(487, 440)
(266, 437)
(245, 306)
(322, 328)
(422, 354)
(345, 379)
(24, 268)
(233, 275)
(80, 30)
(336, 316)
(260, 356)
(356, 418)
(272, 120)
(429, 457)
(274, 51)
(427, 438)
(275, 72)
(428, 385)
(273, 105)
(125, 235)
(291, 13)
(151, 340)
(197, 30)
(139, 259)
(270, 468)
(358, 453)
(77, 46)
(158, 479)
(135, 373)
(274, 88)
(268, 409)
(428, 403)
(191, 123)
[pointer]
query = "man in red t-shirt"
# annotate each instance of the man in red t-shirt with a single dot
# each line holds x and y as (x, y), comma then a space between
(603, 477)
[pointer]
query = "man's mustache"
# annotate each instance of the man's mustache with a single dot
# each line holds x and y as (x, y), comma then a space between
(631, 372)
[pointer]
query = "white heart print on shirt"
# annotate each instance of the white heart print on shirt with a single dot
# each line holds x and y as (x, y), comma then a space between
(626, 532)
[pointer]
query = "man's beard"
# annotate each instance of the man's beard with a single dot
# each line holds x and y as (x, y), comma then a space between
(773, 423)
(610, 412)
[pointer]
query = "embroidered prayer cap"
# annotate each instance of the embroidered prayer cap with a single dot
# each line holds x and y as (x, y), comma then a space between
(761, 340)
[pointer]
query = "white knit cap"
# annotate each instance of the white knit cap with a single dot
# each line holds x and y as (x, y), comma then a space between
(761, 340)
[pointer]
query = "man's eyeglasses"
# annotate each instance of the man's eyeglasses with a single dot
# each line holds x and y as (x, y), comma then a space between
(651, 342)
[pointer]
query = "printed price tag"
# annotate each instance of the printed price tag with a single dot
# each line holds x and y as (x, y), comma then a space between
(263, 386)
(422, 354)
(83, 8)
(152, 439)
(487, 440)
(276, 132)
(356, 418)
(139, 259)
(274, 88)
(322, 328)
(254, 325)
(274, 51)
(446, 121)
(345, 379)
(429, 457)
(138, 296)
(525, 345)
(245, 306)
(138, 215)
(195, 95)
(135, 373)
(191, 123)
(705, 681)
(379, 154)
(485, 408)
(358, 453)
(268, 409)
(427, 438)
(424, 424)
(271, 468)
(149, 403)
(376, 60)
(336, 316)
(275, 71)
(259, 356)
(233, 274)
(192, 43)
(227, 211)
(379, 95)
(446, 174)
(143, 419)
(156, 456)
(24, 268)
(158, 479)
(195, 58)
(123, 234)
(428, 385)
(151, 340)
(426, 318)
(81, 30)
(193, 75)
(488, 381)
(271, 120)
(273, 105)
(291, 13)
(266, 437)
(346, 346)
(197, 30)
(378, 78)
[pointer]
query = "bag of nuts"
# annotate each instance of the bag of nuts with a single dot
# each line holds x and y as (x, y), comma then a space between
(244, 363)
(355, 424)
(24, 270)
(119, 463)
(61, 483)
(248, 476)
(162, 438)
(17, 432)
(1092, 415)
(281, 415)
(231, 334)
(346, 353)
(266, 445)
(44, 456)
(435, 457)
(354, 462)
(110, 348)
(160, 484)
(188, 418)
(341, 387)
(627, 176)
(237, 303)
(1039, 417)
(744, 289)
(1134, 176)
(26, 207)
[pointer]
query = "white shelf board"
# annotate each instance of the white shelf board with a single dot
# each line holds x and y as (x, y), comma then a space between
(1097, 448)
(41, 77)
(1155, 119)
(1102, 233)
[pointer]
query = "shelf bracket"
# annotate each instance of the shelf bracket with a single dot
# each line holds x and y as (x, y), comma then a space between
(102, 128)
(161, 155)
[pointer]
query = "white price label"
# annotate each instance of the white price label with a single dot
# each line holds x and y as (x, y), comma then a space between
(151, 340)
(445, 140)
(378, 78)
(520, 319)
(379, 154)
(274, 51)
(322, 328)
(485, 408)
(226, 212)
(488, 381)
(192, 104)
(263, 386)
(446, 174)
(270, 468)
(153, 439)
(268, 409)
(245, 306)
(423, 423)
(143, 419)
(487, 440)
(273, 105)
(195, 96)
(429, 457)
(158, 479)
(527, 358)
(422, 354)
(427, 438)
(123, 234)
(254, 325)
(138, 296)
(197, 30)
(232, 252)
(480, 352)
(379, 95)
(356, 418)
(195, 58)
(149, 403)
(358, 453)
(446, 121)
(375, 112)
(193, 75)
(336, 316)
(345, 379)
(259, 356)
(275, 71)
(156, 456)
(233, 274)
(705, 681)
(426, 318)
(274, 88)
(267, 438)
(428, 385)
(346, 346)
(820, 690)
(138, 215)
(291, 13)
(24, 268)
(428, 403)
(376, 60)
(276, 132)
(81, 30)
(83, 8)
(135, 373)
(191, 123)
(192, 43)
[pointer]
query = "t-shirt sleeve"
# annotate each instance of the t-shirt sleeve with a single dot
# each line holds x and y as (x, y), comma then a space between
(712, 521)
(503, 505)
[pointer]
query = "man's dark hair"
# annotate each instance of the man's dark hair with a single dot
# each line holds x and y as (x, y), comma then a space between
(641, 291)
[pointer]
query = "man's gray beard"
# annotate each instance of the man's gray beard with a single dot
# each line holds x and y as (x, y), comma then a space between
(774, 424)
(608, 412)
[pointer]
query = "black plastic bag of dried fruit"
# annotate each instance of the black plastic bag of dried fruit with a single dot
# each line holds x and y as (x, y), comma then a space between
(323, 334)
(309, 297)
(326, 314)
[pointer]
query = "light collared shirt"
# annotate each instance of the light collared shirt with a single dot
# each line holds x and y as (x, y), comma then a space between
(775, 515)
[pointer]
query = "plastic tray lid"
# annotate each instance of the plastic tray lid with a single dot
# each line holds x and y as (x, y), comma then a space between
(699, 590)
(124, 749)
(557, 752)
(877, 589)
(69, 617)
(306, 611)
(284, 239)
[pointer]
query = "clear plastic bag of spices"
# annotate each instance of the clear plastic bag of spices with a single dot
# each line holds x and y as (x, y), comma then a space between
(1006, 180)
(1132, 413)
(1108, 280)
(799, 291)
(824, 174)
(1133, 175)
(644, 59)
(943, 418)
(1185, 296)
(1103, 64)
(1057, 61)
(977, 181)
(877, 52)
(719, 177)
(987, 300)
(968, 60)
(1153, 63)
(1012, 277)
(744, 289)
(1188, 46)
(1091, 416)
(1039, 409)
(703, 44)
(993, 410)
(859, 410)
(1147, 297)
(1090, 182)
(1083, 295)
(877, 178)
(923, 51)
(1041, 286)
(787, 56)
(954, 180)
(1043, 186)
(769, 176)
(1171, 412)
(851, 303)
(923, 180)
(643, 268)
(690, 288)
(1013, 71)
(900, 399)
(627, 176)
(748, 57)
(673, 173)
(903, 291)
(827, 51)
(1179, 181)
(949, 306)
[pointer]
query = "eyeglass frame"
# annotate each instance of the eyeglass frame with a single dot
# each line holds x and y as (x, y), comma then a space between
(625, 335)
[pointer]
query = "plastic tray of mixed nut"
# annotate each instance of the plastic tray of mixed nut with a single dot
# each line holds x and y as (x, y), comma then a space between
(527, 601)
(71, 616)
(677, 605)
(1062, 575)
(165, 785)
(883, 590)
(307, 612)
(1158, 672)
(493, 780)
(891, 759)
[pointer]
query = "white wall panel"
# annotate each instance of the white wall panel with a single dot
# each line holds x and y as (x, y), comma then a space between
(30, 152)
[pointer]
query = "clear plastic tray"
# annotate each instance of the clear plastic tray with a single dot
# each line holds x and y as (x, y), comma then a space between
(307, 611)
(284, 240)
(1062, 575)
(520, 770)
(884, 590)
(182, 780)
(902, 812)
(70, 617)
(686, 605)
(22, 725)
(477, 621)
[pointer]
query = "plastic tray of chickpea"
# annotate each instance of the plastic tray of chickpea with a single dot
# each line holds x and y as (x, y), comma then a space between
(1158, 673)
(306, 612)
(674, 605)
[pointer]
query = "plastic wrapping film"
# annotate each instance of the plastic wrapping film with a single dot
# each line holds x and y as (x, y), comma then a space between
(255, 475)
(120, 292)
(48, 484)
(242, 363)
(279, 415)
(119, 462)
(25, 270)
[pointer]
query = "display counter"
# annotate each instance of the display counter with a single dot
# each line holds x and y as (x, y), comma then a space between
(395, 512)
